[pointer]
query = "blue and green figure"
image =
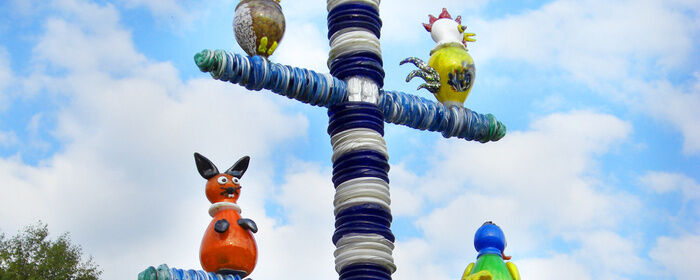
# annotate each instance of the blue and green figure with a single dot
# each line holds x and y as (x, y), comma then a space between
(490, 242)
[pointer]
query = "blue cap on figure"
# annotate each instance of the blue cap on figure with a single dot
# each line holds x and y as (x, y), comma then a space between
(489, 239)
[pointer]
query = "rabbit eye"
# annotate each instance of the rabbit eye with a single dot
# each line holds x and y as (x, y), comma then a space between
(236, 181)
(222, 180)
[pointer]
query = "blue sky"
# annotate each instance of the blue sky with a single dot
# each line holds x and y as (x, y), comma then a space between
(101, 108)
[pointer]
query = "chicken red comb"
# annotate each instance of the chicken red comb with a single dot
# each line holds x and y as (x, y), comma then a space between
(445, 14)
(432, 19)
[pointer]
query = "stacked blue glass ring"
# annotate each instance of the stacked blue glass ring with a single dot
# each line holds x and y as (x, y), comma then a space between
(366, 159)
(163, 272)
(351, 115)
(363, 238)
(257, 73)
(350, 15)
(364, 272)
(358, 64)
(358, 165)
(364, 218)
(351, 62)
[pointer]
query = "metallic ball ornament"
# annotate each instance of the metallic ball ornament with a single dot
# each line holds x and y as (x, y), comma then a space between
(258, 26)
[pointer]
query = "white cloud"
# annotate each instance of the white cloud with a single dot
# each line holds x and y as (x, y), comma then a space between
(34, 124)
(97, 47)
(300, 245)
(675, 105)
(173, 12)
(394, 14)
(405, 200)
(169, 7)
(539, 185)
(8, 138)
(411, 259)
(611, 47)
(26, 7)
(303, 11)
(123, 181)
(463, 216)
(611, 254)
(124, 184)
(683, 190)
(307, 194)
(126, 165)
(665, 182)
(562, 145)
(594, 39)
(602, 255)
(303, 46)
(673, 254)
(556, 267)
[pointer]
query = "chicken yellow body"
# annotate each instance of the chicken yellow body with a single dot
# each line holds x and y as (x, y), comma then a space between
(456, 68)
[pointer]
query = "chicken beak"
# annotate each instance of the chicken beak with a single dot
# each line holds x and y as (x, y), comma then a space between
(468, 37)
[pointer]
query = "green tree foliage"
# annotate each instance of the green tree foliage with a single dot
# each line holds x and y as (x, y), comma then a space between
(30, 255)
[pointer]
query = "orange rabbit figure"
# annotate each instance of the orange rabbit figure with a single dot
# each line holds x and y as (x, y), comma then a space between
(228, 246)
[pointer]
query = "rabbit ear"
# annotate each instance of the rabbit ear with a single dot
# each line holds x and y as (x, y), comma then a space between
(239, 167)
(205, 167)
